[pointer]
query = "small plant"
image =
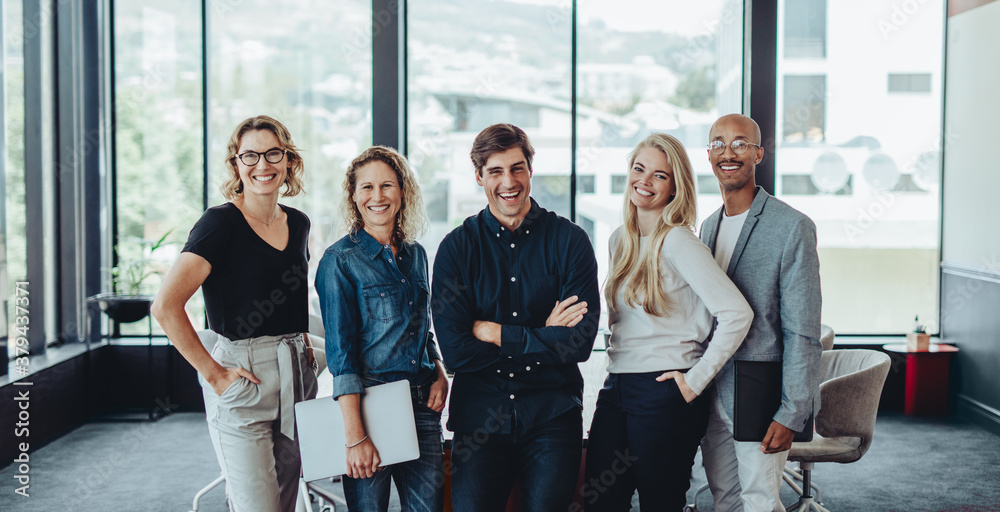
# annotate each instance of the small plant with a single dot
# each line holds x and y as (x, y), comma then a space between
(132, 269)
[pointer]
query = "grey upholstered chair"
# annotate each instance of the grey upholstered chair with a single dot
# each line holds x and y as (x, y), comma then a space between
(849, 393)
(826, 336)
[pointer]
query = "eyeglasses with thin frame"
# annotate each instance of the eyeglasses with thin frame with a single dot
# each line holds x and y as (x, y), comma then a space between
(273, 155)
(717, 147)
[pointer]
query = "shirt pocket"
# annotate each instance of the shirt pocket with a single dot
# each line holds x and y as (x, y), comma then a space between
(381, 302)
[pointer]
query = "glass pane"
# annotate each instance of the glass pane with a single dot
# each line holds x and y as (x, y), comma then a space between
(311, 69)
(13, 252)
(463, 78)
(158, 140)
(858, 151)
(674, 69)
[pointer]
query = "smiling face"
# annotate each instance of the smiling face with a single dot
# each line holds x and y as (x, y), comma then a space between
(651, 180)
(377, 196)
(264, 178)
(735, 172)
(506, 178)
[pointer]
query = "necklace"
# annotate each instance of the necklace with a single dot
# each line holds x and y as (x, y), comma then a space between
(246, 211)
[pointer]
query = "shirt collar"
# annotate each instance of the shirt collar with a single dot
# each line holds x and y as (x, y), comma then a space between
(368, 243)
(495, 227)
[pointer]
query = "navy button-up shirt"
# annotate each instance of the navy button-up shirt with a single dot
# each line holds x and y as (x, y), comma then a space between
(484, 271)
(376, 314)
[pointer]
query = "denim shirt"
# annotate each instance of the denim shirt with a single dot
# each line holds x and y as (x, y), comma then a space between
(376, 314)
(485, 272)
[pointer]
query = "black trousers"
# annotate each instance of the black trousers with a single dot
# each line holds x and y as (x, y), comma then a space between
(644, 436)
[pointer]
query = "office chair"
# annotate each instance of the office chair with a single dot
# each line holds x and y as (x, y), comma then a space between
(826, 336)
(851, 385)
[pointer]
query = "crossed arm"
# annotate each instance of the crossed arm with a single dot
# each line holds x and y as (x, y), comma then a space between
(470, 344)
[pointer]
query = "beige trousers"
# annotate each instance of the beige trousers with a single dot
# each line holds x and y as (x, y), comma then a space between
(252, 425)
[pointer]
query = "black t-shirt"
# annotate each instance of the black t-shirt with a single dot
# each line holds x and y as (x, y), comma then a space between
(253, 289)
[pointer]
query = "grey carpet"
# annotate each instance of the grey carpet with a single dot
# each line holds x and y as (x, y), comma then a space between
(914, 465)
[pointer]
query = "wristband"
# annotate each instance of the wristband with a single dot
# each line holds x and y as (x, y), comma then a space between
(357, 443)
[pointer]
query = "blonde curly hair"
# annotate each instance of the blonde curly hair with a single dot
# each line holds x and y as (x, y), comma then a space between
(411, 220)
(233, 186)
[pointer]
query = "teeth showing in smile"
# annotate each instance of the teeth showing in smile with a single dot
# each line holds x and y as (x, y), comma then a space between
(644, 193)
(509, 195)
(729, 167)
(264, 178)
(378, 209)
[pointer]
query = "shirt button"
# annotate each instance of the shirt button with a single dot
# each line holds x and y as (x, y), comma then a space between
(511, 397)
(498, 371)
(382, 294)
(513, 279)
(527, 368)
(511, 246)
(515, 313)
(411, 334)
(498, 235)
(414, 361)
(527, 231)
(511, 374)
(390, 260)
(402, 280)
(411, 302)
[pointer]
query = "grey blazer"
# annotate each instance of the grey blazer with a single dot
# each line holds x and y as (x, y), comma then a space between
(776, 267)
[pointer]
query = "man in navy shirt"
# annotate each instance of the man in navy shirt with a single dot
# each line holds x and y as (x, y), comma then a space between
(516, 305)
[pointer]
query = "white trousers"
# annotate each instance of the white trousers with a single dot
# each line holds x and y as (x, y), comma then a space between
(252, 425)
(742, 478)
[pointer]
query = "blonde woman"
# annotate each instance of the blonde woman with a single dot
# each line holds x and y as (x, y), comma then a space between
(375, 298)
(249, 256)
(663, 291)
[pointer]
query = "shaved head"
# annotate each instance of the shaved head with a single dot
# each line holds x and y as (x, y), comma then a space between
(749, 126)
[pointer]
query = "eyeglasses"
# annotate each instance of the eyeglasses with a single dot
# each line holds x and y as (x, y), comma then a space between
(717, 147)
(250, 158)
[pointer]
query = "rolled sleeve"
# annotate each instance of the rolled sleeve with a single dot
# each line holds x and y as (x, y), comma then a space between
(341, 320)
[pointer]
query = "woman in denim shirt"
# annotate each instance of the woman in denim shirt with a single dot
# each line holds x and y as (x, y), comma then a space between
(374, 293)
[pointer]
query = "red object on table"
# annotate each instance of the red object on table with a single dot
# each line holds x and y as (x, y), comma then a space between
(926, 378)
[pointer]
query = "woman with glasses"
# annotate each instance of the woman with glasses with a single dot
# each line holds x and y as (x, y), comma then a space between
(250, 258)
(374, 295)
(663, 290)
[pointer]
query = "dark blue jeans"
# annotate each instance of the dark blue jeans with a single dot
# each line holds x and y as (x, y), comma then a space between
(420, 483)
(644, 436)
(546, 459)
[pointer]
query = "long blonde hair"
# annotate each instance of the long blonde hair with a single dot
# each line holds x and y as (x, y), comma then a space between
(637, 269)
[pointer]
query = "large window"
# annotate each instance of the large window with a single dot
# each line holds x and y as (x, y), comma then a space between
(310, 68)
(861, 159)
(472, 64)
(675, 69)
(13, 264)
(857, 112)
(158, 137)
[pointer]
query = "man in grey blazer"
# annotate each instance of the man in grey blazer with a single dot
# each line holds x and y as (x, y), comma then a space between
(768, 249)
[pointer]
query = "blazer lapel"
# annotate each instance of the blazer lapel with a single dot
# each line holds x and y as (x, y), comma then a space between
(755, 210)
(711, 230)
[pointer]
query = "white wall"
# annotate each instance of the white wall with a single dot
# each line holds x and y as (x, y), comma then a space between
(972, 129)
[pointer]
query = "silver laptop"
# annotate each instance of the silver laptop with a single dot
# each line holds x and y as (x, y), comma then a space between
(387, 412)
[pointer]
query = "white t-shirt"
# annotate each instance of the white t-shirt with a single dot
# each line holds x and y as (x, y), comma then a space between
(725, 241)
